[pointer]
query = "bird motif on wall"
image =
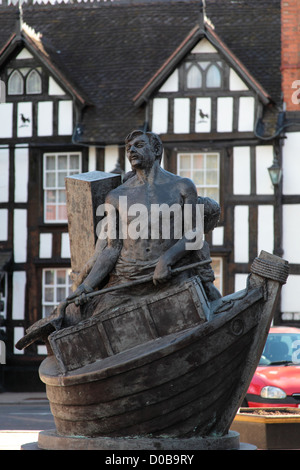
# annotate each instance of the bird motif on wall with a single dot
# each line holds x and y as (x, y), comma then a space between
(24, 120)
(202, 115)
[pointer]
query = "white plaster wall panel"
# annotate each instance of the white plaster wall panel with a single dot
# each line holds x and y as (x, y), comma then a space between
(3, 225)
(92, 158)
(18, 334)
(45, 118)
(111, 157)
(235, 82)
(246, 114)
(24, 54)
(290, 300)
(264, 159)
(65, 246)
(20, 235)
(45, 250)
(240, 281)
(218, 236)
(54, 88)
(24, 119)
(241, 234)
(291, 232)
(204, 46)
(265, 229)
(4, 174)
(203, 115)
(21, 174)
(6, 120)
(127, 163)
(224, 114)
(171, 84)
(291, 164)
(65, 117)
(18, 300)
(42, 349)
(241, 170)
(160, 115)
(181, 115)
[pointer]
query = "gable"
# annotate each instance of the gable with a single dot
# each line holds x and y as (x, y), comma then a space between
(35, 105)
(209, 91)
(38, 100)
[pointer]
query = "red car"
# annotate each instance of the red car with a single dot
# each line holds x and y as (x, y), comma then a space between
(276, 381)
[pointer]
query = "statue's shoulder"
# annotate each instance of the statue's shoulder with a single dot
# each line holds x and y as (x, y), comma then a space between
(122, 190)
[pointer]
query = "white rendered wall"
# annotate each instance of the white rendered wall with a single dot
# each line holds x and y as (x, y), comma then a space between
(246, 114)
(65, 245)
(45, 250)
(54, 88)
(6, 120)
(241, 234)
(21, 173)
(3, 225)
(241, 170)
(4, 174)
(291, 232)
(240, 281)
(111, 156)
(18, 300)
(92, 159)
(20, 235)
(181, 115)
(160, 115)
(264, 159)
(65, 117)
(235, 82)
(265, 229)
(291, 164)
(171, 84)
(290, 300)
(45, 118)
(225, 114)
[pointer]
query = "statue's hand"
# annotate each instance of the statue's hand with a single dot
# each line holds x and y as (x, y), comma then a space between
(162, 272)
(80, 294)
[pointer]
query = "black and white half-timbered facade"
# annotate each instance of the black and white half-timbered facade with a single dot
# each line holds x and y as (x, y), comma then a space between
(76, 78)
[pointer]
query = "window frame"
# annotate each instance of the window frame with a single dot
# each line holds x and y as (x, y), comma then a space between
(56, 188)
(15, 72)
(202, 189)
(54, 286)
(40, 82)
(195, 60)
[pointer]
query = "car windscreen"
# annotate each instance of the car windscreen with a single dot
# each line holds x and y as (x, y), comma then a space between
(281, 348)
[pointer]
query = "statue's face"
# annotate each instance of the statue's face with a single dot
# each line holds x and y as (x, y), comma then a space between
(140, 152)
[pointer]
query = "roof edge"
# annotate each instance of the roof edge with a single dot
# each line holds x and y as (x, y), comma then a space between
(187, 44)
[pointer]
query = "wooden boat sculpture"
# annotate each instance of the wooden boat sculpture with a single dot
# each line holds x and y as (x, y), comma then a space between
(180, 368)
(172, 366)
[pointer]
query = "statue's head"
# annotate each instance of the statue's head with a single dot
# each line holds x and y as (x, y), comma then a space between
(153, 139)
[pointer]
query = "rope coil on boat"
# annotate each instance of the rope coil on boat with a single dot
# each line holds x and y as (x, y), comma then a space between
(275, 271)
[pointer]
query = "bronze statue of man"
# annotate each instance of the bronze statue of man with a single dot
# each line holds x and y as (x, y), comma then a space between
(124, 258)
(120, 259)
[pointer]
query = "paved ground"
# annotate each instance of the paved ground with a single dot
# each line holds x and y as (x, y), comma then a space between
(22, 416)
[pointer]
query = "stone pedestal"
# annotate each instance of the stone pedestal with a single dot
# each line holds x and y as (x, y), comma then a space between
(85, 192)
(50, 440)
